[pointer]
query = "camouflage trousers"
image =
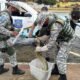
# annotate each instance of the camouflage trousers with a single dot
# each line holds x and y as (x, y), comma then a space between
(10, 53)
(62, 56)
(59, 56)
(12, 59)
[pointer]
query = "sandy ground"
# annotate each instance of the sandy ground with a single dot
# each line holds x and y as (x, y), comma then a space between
(72, 74)
(27, 54)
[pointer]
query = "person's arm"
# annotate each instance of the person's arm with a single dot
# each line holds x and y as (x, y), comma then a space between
(31, 31)
(43, 38)
(5, 31)
(32, 28)
(54, 34)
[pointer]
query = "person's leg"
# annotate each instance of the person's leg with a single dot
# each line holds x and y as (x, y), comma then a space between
(55, 70)
(12, 57)
(2, 69)
(62, 60)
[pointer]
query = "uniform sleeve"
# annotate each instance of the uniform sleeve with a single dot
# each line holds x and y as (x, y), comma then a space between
(56, 28)
(4, 31)
(36, 21)
(39, 19)
(5, 23)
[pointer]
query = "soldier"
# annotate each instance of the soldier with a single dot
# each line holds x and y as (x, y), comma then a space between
(6, 45)
(62, 33)
(43, 22)
(39, 20)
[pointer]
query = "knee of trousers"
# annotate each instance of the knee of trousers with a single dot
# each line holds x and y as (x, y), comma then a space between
(10, 51)
(62, 67)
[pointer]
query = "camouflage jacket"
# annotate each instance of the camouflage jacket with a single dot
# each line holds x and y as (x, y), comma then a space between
(5, 24)
(60, 31)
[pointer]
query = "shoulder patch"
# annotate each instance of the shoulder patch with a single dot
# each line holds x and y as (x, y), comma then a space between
(60, 21)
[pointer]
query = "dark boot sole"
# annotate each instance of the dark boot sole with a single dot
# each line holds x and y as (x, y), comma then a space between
(18, 73)
(5, 71)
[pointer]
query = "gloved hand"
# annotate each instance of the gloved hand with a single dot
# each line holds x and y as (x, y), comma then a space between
(41, 49)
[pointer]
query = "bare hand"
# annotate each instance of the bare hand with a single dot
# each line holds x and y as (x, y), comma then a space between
(14, 33)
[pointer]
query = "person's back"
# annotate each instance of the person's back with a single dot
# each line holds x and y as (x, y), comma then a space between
(68, 29)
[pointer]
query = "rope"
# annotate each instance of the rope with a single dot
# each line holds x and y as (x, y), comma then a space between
(41, 58)
(76, 54)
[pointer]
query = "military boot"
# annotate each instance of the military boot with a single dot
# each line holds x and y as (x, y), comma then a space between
(47, 59)
(62, 77)
(17, 71)
(3, 70)
(55, 71)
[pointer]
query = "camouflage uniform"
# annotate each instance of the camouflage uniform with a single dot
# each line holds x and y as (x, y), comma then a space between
(58, 45)
(5, 34)
(43, 22)
(43, 33)
(61, 35)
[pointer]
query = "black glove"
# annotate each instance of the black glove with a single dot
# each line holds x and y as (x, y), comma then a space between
(3, 50)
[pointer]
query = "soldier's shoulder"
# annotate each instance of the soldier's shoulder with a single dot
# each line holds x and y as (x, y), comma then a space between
(4, 16)
(56, 18)
(60, 20)
(52, 14)
(5, 12)
(52, 17)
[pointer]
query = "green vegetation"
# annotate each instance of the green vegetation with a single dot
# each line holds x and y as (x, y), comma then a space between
(47, 2)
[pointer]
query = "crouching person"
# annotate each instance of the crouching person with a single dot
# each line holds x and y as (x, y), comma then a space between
(43, 22)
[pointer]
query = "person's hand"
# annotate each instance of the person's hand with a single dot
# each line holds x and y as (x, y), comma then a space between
(41, 49)
(38, 49)
(14, 33)
(37, 40)
(10, 42)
